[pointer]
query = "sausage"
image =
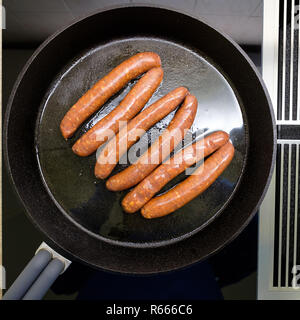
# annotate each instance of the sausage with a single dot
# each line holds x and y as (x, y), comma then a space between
(127, 136)
(116, 79)
(134, 101)
(168, 170)
(192, 186)
(159, 150)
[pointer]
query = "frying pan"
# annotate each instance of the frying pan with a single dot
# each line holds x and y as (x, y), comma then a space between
(79, 218)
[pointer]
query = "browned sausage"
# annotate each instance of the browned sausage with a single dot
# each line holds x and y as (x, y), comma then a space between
(134, 101)
(159, 150)
(192, 186)
(171, 168)
(128, 135)
(94, 98)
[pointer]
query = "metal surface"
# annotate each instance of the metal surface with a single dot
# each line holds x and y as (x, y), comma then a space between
(54, 255)
(32, 21)
(177, 30)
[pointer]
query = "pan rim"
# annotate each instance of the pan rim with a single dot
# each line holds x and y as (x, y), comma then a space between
(49, 39)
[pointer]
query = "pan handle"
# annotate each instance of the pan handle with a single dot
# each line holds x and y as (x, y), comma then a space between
(38, 276)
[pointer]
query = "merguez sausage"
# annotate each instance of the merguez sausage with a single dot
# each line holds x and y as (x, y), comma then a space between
(94, 98)
(167, 171)
(159, 150)
(128, 135)
(192, 186)
(134, 101)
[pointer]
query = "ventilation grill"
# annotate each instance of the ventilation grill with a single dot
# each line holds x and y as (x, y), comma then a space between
(288, 106)
(286, 233)
(279, 229)
(287, 214)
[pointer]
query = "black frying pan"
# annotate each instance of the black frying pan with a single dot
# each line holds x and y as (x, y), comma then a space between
(79, 217)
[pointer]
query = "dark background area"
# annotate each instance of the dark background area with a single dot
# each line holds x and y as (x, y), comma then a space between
(28, 23)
